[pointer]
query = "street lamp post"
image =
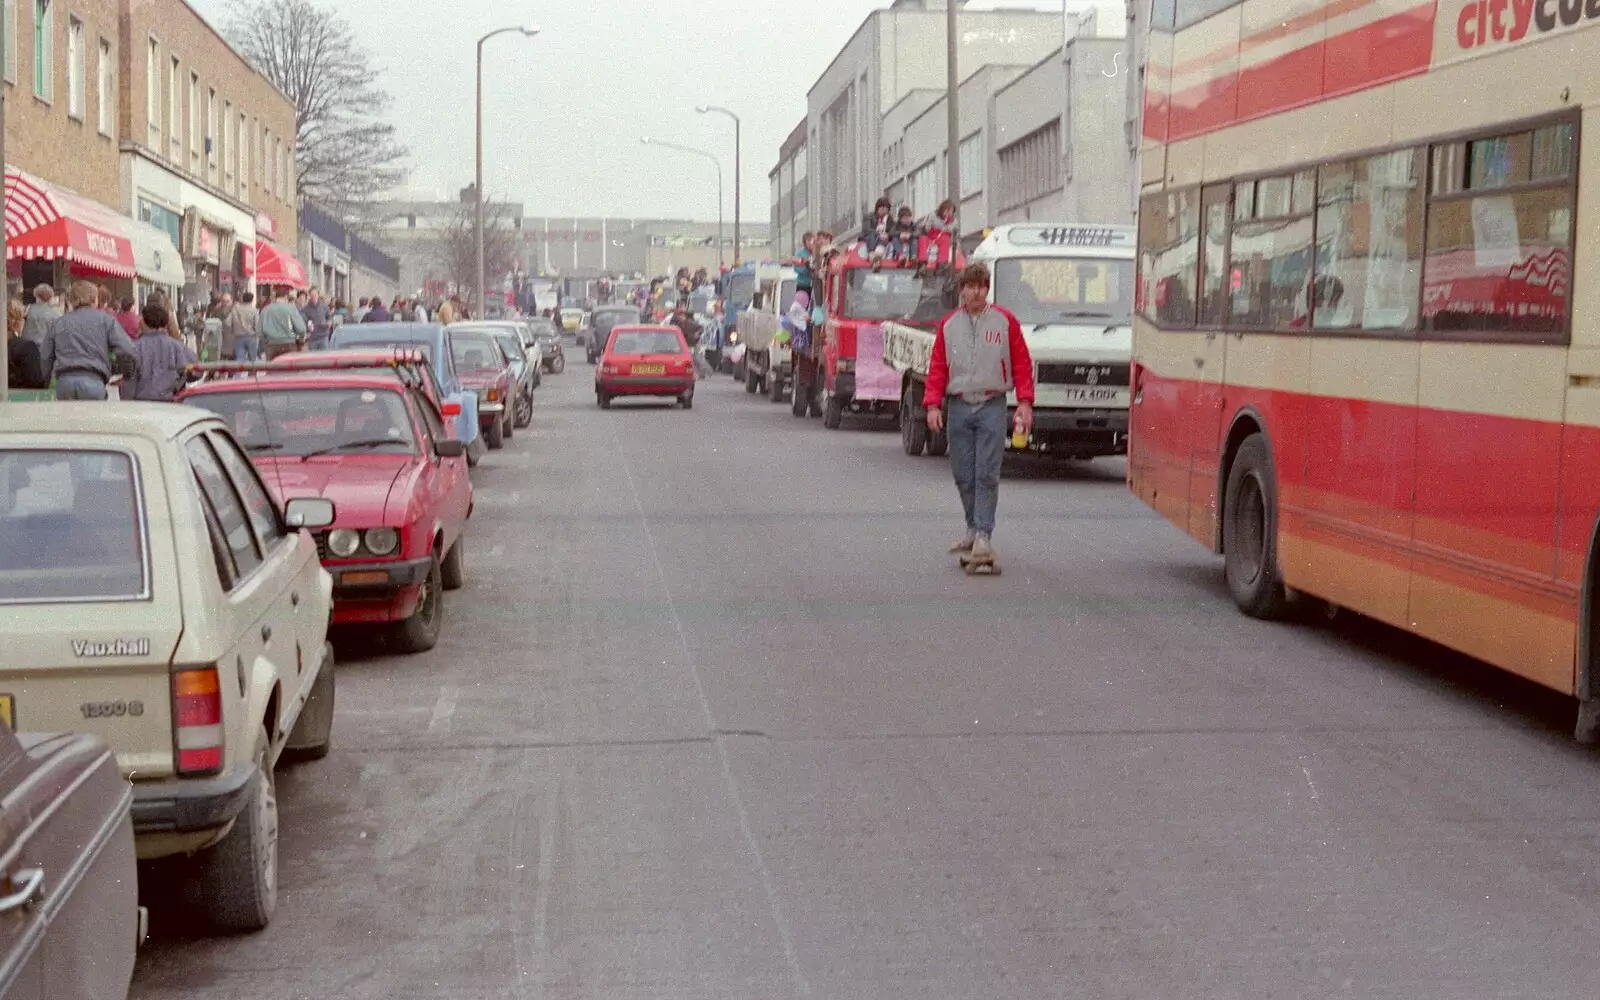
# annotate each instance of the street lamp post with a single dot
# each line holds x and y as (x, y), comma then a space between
(646, 140)
(477, 192)
(738, 180)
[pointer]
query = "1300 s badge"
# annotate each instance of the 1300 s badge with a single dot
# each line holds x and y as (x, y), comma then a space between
(111, 709)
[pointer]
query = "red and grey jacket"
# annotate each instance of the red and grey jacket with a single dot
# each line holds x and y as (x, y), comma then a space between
(975, 357)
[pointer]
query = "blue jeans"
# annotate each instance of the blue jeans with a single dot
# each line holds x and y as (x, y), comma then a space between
(977, 444)
(247, 349)
(76, 385)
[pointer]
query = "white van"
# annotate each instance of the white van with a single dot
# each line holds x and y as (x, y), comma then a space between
(1071, 288)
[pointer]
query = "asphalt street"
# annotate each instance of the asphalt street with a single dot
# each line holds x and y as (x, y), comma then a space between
(717, 717)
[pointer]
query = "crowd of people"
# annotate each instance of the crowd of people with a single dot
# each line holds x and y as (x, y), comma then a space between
(80, 349)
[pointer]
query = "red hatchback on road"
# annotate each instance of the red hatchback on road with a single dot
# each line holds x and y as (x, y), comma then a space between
(645, 361)
(373, 441)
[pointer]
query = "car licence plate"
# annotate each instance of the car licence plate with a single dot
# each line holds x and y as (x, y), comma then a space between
(649, 369)
(7, 711)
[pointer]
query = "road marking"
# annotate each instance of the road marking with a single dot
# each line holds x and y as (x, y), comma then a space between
(547, 865)
(443, 709)
(1310, 784)
(774, 904)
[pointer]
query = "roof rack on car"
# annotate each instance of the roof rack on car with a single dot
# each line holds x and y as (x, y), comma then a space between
(403, 361)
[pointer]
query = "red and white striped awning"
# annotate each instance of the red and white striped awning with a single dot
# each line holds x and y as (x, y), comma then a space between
(44, 222)
(277, 266)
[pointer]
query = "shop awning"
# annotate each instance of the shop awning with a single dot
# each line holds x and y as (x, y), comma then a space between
(155, 259)
(44, 222)
(277, 266)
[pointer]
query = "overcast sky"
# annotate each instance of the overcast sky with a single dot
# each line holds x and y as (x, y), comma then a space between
(563, 112)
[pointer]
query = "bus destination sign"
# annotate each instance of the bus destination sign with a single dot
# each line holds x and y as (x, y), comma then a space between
(1099, 237)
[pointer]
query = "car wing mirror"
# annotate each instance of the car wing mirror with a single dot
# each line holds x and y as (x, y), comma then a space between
(449, 448)
(308, 512)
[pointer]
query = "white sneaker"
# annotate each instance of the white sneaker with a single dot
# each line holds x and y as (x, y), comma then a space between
(965, 545)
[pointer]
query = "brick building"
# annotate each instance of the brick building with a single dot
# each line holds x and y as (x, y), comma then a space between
(142, 152)
(207, 147)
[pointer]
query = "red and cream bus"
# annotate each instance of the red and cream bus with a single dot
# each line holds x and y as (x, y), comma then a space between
(1367, 356)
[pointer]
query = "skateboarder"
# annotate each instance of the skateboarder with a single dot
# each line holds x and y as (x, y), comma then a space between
(979, 356)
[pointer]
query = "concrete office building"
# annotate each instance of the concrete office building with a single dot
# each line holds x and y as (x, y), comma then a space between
(896, 51)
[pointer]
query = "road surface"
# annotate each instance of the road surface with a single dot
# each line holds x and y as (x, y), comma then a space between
(716, 717)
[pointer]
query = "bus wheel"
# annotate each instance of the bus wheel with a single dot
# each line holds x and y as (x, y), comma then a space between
(1250, 532)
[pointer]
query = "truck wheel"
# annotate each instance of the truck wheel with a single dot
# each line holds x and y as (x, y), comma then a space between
(798, 402)
(835, 415)
(913, 429)
(752, 382)
(816, 407)
(1250, 532)
(774, 386)
(495, 436)
(312, 736)
(938, 444)
(237, 880)
(420, 632)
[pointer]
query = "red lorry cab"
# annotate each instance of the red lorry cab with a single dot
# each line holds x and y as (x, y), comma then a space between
(859, 299)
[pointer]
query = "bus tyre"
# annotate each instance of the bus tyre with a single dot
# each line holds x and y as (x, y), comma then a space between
(1250, 532)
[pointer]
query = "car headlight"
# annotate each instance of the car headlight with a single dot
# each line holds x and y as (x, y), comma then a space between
(343, 542)
(382, 541)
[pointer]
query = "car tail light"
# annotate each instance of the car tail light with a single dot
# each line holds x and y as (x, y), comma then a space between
(451, 409)
(197, 720)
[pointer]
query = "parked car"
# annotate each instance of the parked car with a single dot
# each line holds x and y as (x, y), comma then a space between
(606, 319)
(645, 361)
(70, 920)
(156, 597)
(486, 370)
(543, 333)
(373, 442)
(524, 365)
(434, 342)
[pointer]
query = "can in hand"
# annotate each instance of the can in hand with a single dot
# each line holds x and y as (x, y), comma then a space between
(1019, 437)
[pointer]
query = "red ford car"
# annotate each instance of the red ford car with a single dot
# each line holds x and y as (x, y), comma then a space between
(485, 370)
(372, 440)
(645, 361)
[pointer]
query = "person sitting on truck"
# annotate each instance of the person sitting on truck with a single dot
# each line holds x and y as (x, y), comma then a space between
(876, 234)
(904, 245)
(979, 355)
(942, 230)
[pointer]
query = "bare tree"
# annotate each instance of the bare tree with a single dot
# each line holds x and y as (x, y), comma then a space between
(346, 154)
(457, 250)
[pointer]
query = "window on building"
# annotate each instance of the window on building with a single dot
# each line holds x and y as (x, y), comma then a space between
(1169, 245)
(1369, 243)
(268, 165)
(211, 131)
(10, 27)
(241, 146)
(44, 61)
(105, 89)
(152, 93)
(194, 122)
(75, 70)
(175, 111)
(225, 142)
(971, 157)
(277, 165)
(1031, 166)
(923, 188)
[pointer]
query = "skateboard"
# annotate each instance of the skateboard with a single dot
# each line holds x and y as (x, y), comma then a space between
(974, 567)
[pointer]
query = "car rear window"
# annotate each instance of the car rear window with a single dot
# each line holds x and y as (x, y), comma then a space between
(301, 422)
(474, 351)
(512, 345)
(71, 527)
(646, 342)
(615, 317)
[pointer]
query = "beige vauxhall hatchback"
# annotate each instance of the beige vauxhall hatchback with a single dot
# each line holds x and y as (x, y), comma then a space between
(154, 595)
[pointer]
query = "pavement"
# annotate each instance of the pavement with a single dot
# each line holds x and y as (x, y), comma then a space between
(717, 717)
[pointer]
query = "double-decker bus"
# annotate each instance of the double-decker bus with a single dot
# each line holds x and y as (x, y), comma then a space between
(1367, 358)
